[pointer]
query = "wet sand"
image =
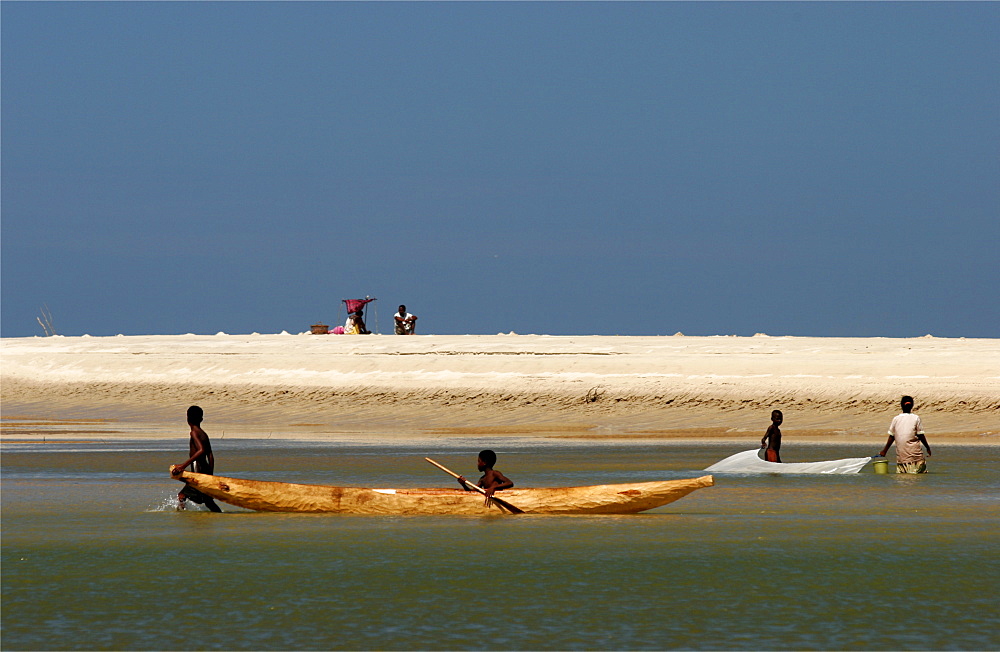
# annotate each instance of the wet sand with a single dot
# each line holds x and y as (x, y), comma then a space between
(590, 387)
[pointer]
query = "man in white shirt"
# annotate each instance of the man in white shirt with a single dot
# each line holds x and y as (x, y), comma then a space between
(405, 322)
(908, 433)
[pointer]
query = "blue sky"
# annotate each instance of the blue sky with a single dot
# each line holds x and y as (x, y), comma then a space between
(828, 169)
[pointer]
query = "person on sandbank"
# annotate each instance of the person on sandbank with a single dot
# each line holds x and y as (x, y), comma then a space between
(492, 480)
(771, 443)
(202, 461)
(908, 433)
(356, 324)
(406, 323)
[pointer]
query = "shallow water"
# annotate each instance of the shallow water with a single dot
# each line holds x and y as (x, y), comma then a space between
(95, 557)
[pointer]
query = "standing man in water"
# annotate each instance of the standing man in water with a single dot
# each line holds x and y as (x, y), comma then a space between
(202, 461)
(908, 433)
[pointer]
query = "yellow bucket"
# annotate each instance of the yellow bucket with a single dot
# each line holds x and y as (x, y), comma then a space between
(882, 466)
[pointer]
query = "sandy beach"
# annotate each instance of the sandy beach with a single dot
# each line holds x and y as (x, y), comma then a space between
(588, 386)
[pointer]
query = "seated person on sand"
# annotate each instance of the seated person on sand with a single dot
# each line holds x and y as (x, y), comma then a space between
(355, 324)
(492, 480)
(406, 323)
(202, 461)
(772, 438)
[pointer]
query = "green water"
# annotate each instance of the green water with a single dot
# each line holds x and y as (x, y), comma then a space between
(94, 557)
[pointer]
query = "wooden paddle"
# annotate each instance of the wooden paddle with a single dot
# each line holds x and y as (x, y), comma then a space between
(500, 503)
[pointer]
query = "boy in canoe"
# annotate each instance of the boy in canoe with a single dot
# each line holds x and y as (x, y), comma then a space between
(492, 480)
(202, 461)
(772, 438)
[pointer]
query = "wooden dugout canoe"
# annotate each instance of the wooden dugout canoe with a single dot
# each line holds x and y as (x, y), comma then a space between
(286, 497)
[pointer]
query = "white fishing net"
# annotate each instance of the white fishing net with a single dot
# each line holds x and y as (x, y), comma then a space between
(750, 462)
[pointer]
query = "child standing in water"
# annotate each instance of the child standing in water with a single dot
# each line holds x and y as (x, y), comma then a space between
(202, 461)
(772, 438)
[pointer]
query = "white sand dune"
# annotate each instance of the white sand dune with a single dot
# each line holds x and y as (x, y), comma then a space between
(511, 382)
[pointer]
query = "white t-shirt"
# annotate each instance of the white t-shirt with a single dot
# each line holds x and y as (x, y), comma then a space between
(905, 428)
(404, 323)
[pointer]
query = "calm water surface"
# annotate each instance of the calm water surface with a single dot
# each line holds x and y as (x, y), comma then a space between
(95, 557)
